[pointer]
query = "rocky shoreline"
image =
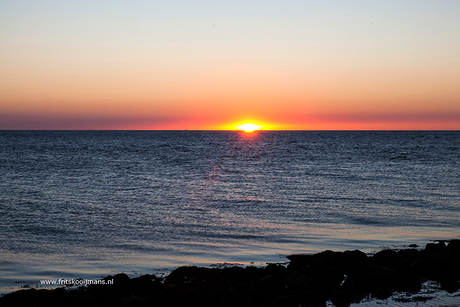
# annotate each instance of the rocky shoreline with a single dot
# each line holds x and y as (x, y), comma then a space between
(307, 280)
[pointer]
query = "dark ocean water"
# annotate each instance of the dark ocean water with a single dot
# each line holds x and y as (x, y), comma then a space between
(90, 203)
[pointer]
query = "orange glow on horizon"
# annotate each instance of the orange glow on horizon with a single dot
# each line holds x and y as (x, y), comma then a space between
(249, 127)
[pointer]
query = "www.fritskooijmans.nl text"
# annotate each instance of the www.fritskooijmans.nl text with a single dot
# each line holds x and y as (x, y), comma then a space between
(76, 282)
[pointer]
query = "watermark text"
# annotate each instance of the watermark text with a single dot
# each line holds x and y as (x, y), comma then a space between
(75, 282)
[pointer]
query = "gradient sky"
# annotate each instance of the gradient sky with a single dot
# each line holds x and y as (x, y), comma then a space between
(293, 64)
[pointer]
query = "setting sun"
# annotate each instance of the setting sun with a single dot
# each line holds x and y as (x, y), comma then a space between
(249, 127)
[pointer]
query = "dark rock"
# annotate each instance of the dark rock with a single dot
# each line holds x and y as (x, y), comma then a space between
(286, 301)
(29, 297)
(418, 264)
(315, 297)
(385, 258)
(118, 278)
(381, 293)
(224, 284)
(355, 260)
(433, 249)
(202, 284)
(453, 248)
(409, 283)
(296, 279)
(355, 284)
(450, 284)
(319, 263)
(310, 280)
(380, 276)
(407, 254)
(298, 262)
(330, 279)
(342, 298)
(273, 284)
(406, 258)
(275, 269)
(252, 272)
(380, 270)
(185, 274)
(144, 278)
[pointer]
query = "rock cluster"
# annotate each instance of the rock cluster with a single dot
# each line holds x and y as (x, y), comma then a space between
(308, 280)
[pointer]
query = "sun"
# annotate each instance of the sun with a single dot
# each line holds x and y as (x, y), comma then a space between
(248, 127)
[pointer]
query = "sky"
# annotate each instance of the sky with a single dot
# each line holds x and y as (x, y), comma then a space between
(212, 65)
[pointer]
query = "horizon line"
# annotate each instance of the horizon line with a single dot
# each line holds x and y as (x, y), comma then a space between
(236, 130)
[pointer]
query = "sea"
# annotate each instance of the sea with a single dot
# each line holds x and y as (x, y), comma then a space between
(86, 204)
